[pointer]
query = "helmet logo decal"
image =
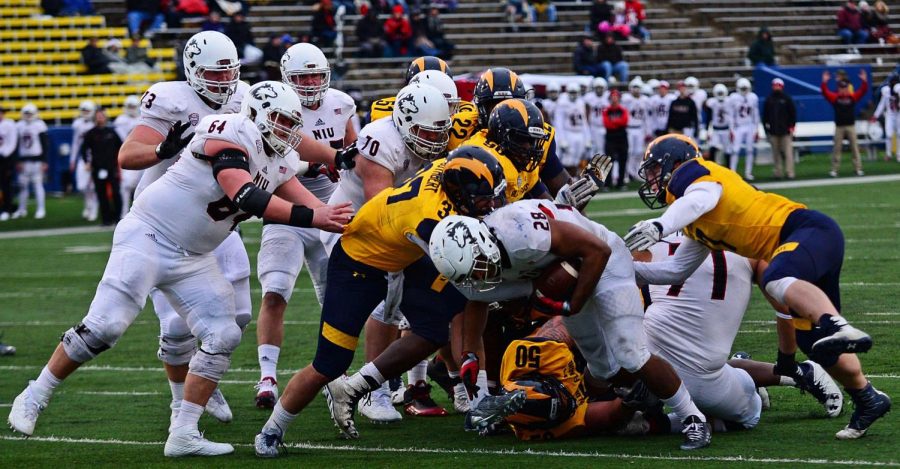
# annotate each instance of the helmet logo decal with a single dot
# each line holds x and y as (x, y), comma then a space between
(194, 118)
(407, 105)
(265, 91)
(460, 234)
(192, 49)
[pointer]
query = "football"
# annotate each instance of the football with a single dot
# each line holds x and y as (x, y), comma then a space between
(558, 280)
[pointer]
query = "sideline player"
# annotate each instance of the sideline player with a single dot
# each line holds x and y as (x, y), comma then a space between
(638, 107)
(124, 124)
(284, 249)
(573, 136)
(721, 125)
(34, 145)
(744, 107)
(77, 166)
(804, 248)
(223, 178)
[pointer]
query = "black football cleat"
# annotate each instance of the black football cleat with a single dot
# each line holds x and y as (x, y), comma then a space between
(697, 434)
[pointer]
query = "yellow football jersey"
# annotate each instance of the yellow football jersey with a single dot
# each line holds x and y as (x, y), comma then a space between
(385, 106)
(518, 183)
(464, 125)
(534, 355)
(391, 230)
(746, 220)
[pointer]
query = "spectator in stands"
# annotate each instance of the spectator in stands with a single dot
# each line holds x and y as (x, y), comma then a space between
(635, 16)
(369, 33)
(422, 45)
(849, 25)
(762, 51)
(51, 7)
(447, 5)
(77, 8)
(612, 59)
(119, 64)
(240, 34)
(100, 151)
(618, 25)
(8, 138)
(844, 103)
(543, 10)
(143, 11)
(516, 12)
(880, 27)
(398, 33)
(95, 59)
(180, 9)
(600, 12)
(434, 28)
(213, 23)
(584, 59)
(137, 53)
(615, 119)
(683, 115)
(324, 26)
(272, 52)
(779, 117)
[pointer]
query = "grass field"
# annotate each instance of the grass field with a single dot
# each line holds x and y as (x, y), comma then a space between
(114, 412)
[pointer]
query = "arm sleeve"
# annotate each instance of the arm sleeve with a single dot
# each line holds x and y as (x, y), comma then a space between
(830, 96)
(861, 91)
(791, 112)
(537, 191)
(675, 269)
(698, 198)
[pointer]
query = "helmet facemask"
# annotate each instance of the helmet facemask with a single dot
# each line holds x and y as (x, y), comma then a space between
(428, 141)
(475, 198)
(310, 85)
(217, 83)
(524, 149)
(281, 130)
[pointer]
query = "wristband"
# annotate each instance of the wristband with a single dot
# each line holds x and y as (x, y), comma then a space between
(301, 216)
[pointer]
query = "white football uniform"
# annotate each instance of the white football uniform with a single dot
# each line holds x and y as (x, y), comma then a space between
(595, 106)
(699, 96)
(693, 326)
(284, 249)
(83, 181)
(549, 107)
(573, 140)
(167, 239)
(30, 151)
(162, 105)
(720, 124)
(889, 105)
(124, 124)
(608, 329)
(379, 142)
(637, 130)
(659, 112)
(745, 119)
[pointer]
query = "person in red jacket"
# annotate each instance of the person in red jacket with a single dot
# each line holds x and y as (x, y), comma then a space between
(615, 119)
(634, 17)
(398, 33)
(844, 103)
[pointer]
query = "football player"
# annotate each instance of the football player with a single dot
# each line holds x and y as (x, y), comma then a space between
(699, 96)
(574, 138)
(32, 162)
(124, 124)
(744, 106)
(284, 249)
(659, 108)
(548, 104)
(804, 248)
(597, 100)
(231, 171)
(390, 233)
(638, 125)
(720, 122)
(889, 105)
(384, 107)
(83, 181)
(496, 259)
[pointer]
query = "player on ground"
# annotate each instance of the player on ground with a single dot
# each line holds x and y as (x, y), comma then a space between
(389, 234)
(804, 248)
(496, 260)
(744, 107)
(284, 249)
(224, 177)
(77, 167)
(124, 124)
(31, 165)
(721, 125)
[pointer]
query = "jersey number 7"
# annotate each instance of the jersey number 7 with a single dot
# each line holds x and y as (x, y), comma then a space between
(720, 274)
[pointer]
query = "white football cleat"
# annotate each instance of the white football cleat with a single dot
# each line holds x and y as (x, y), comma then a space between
(266, 443)
(176, 409)
(40, 214)
(341, 401)
(25, 411)
(460, 398)
(377, 406)
(266, 393)
(187, 440)
(764, 397)
(19, 214)
(217, 406)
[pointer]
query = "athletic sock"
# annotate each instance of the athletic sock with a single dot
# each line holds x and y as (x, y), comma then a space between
(268, 360)
(787, 381)
(366, 379)
(177, 390)
(189, 415)
(418, 372)
(682, 404)
(481, 382)
(280, 419)
(45, 383)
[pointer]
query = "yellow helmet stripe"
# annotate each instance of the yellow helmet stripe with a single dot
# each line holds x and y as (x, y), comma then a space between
(473, 165)
(489, 78)
(518, 105)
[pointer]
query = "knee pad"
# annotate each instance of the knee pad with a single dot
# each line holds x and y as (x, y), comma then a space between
(176, 350)
(279, 283)
(222, 340)
(777, 288)
(81, 344)
(211, 366)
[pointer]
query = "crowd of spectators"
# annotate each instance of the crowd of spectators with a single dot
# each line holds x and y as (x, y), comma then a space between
(605, 60)
(859, 23)
(402, 34)
(625, 19)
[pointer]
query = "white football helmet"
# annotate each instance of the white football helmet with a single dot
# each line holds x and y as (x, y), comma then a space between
(275, 109)
(743, 85)
(654, 84)
(305, 69)
(211, 66)
(646, 90)
(720, 91)
(422, 117)
(132, 103)
(553, 91)
(464, 250)
(86, 109)
(443, 83)
(29, 112)
(692, 84)
(635, 85)
(573, 90)
(529, 90)
(599, 85)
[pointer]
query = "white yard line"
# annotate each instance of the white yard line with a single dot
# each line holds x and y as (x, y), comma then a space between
(507, 452)
(54, 232)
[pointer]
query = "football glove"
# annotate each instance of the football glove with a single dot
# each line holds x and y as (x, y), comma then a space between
(579, 193)
(317, 169)
(174, 142)
(551, 307)
(343, 159)
(468, 373)
(643, 235)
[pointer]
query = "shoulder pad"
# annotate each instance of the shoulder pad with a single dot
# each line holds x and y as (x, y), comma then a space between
(684, 176)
